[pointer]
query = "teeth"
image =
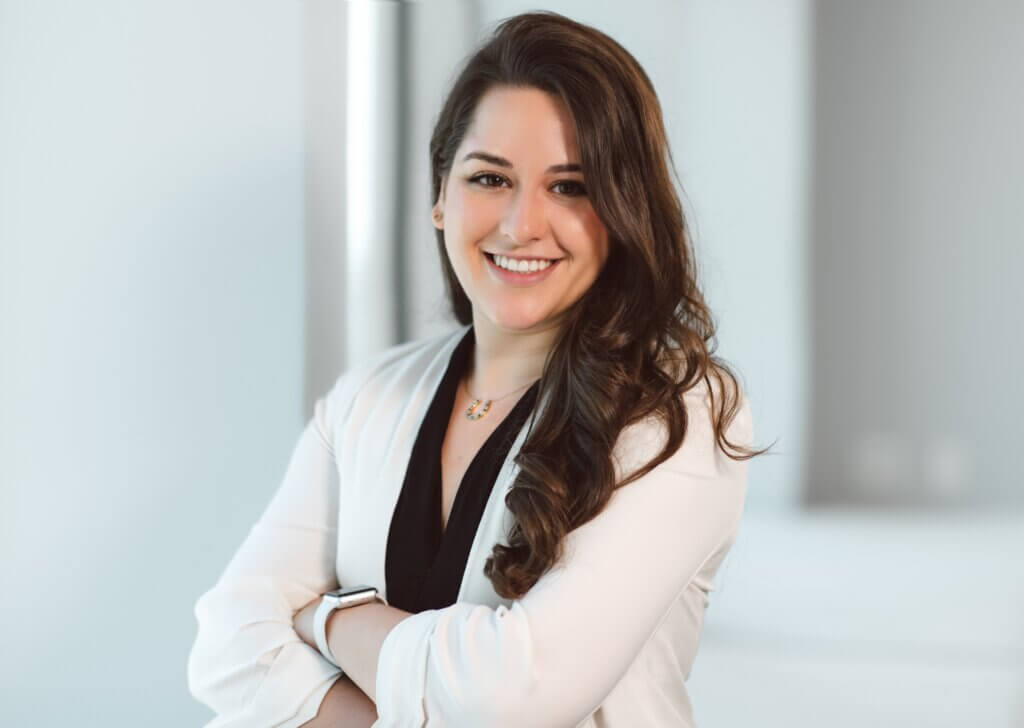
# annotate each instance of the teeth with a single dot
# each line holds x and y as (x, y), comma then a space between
(521, 266)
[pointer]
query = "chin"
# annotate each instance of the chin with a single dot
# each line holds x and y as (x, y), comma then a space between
(519, 320)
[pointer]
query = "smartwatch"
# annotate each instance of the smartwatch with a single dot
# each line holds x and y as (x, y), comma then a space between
(338, 599)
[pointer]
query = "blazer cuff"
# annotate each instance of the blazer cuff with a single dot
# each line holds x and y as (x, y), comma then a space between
(276, 701)
(309, 709)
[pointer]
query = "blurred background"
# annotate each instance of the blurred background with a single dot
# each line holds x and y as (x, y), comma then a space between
(194, 235)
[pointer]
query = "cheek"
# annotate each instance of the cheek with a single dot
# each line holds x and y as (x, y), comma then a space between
(474, 214)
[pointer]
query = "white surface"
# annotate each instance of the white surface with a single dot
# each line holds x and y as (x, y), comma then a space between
(846, 618)
(151, 323)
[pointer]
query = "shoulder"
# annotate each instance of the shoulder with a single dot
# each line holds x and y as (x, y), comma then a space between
(700, 453)
(698, 494)
(399, 365)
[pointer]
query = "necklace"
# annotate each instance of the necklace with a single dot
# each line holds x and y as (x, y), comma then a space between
(481, 407)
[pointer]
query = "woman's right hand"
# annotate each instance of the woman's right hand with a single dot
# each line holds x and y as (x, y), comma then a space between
(344, 706)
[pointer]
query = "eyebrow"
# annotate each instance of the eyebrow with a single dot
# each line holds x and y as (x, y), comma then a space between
(502, 162)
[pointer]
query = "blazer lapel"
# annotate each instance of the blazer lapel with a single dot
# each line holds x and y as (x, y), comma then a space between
(373, 448)
(494, 526)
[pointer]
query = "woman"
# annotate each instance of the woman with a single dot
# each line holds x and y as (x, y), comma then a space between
(542, 497)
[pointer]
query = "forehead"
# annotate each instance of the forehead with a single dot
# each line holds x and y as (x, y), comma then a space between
(522, 122)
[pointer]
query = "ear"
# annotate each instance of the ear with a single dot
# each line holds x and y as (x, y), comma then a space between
(437, 212)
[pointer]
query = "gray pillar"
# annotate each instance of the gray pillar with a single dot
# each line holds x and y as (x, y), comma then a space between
(376, 120)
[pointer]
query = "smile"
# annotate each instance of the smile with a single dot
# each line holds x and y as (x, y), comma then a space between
(520, 271)
(519, 265)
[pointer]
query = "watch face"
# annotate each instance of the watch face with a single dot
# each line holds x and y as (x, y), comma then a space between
(346, 591)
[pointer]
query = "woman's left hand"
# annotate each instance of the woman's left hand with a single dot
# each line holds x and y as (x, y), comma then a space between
(303, 622)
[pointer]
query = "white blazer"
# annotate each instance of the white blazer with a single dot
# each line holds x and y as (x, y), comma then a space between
(606, 639)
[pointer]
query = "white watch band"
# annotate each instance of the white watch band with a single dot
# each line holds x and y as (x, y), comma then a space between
(338, 599)
(320, 628)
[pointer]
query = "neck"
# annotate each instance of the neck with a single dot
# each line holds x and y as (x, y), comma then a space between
(504, 360)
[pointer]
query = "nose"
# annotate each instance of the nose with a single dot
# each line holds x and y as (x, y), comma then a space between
(525, 219)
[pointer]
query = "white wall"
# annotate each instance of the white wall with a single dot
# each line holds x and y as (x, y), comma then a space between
(742, 116)
(150, 335)
(324, 72)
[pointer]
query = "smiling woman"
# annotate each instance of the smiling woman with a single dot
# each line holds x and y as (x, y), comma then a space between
(529, 511)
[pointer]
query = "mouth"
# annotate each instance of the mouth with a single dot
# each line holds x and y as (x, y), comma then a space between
(520, 271)
(520, 265)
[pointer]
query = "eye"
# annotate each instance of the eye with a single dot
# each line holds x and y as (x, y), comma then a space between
(576, 189)
(478, 179)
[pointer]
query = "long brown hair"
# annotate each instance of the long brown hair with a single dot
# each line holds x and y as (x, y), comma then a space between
(607, 367)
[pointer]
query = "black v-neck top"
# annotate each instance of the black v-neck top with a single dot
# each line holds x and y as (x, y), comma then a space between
(424, 565)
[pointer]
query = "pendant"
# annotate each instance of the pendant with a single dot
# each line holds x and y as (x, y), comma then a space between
(472, 412)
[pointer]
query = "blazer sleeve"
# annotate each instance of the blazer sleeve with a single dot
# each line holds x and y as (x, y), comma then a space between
(554, 656)
(247, 663)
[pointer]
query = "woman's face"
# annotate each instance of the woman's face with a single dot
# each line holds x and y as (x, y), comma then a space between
(515, 199)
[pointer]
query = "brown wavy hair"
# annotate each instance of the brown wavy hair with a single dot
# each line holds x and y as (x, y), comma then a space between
(606, 369)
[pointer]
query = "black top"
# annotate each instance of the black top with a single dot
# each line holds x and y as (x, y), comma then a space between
(424, 565)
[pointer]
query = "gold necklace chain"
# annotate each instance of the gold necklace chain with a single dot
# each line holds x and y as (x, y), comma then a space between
(481, 407)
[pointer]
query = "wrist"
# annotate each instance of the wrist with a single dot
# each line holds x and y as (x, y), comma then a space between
(330, 604)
